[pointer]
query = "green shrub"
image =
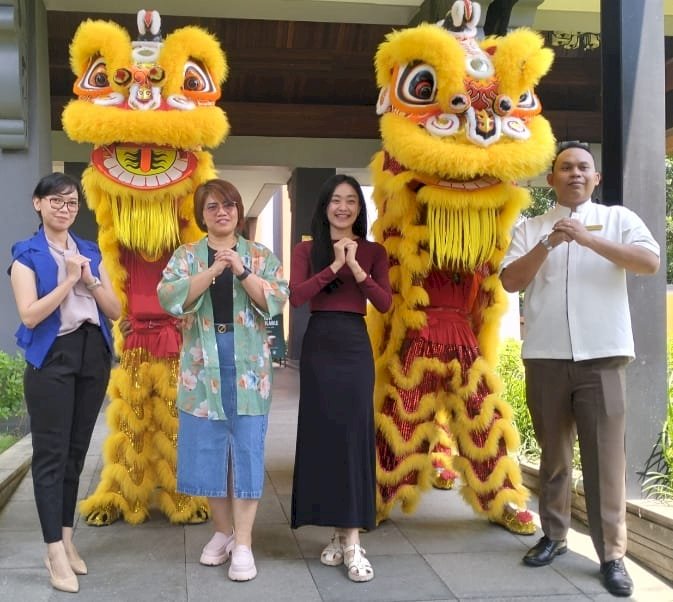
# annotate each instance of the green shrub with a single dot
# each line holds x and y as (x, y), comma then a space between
(658, 482)
(510, 369)
(11, 385)
(6, 441)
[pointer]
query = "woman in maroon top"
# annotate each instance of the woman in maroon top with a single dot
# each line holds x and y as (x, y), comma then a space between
(334, 473)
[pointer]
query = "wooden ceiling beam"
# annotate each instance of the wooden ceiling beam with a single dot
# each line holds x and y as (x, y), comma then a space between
(576, 125)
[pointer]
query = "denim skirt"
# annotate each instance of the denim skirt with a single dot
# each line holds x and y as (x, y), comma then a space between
(208, 449)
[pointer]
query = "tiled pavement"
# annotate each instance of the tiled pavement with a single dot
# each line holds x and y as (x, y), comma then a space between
(442, 552)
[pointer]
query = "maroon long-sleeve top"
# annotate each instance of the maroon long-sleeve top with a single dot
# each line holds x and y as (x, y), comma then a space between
(344, 293)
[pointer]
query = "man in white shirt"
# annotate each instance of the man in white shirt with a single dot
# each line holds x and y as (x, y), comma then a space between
(572, 264)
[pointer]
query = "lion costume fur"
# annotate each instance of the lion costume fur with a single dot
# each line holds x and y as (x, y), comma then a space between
(460, 124)
(148, 107)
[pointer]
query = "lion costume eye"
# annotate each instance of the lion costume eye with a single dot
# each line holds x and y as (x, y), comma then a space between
(100, 79)
(193, 83)
(417, 84)
(527, 100)
(527, 106)
(197, 82)
(94, 81)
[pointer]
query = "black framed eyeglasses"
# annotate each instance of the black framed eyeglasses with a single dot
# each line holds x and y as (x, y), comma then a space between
(57, 203)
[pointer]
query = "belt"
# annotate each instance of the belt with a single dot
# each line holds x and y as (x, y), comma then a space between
(222, 328)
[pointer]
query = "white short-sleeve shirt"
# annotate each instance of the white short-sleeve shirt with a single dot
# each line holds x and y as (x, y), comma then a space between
(576, 307)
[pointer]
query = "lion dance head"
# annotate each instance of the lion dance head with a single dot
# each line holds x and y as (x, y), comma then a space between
(460, 122)
(149, 108)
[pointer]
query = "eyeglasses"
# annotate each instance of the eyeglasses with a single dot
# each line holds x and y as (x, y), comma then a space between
(228, 206)
(57, 203)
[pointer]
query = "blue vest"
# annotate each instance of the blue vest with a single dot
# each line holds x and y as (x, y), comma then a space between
(34, 253)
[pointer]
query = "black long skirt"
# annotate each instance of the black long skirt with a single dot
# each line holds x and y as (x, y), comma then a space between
(334, 480)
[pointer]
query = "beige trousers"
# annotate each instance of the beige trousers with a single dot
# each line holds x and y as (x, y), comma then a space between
(585, 399)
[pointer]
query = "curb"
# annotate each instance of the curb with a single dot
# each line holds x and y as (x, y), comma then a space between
(14, 464)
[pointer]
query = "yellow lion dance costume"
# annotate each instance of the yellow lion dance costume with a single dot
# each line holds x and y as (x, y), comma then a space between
(459, 123)
(148, 106)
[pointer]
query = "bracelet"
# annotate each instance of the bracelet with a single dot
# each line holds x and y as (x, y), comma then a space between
(244, 274)
(94, 285)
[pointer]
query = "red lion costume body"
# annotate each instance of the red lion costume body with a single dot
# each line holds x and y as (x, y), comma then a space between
(460, 123)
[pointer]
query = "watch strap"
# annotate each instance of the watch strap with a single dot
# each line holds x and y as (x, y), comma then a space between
(546, 243)
(95, 284)
(244, 274)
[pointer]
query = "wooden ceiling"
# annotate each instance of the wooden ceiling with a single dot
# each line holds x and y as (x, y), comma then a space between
(316, 80)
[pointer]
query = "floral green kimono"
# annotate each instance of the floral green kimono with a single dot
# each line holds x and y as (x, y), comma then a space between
(199, 387)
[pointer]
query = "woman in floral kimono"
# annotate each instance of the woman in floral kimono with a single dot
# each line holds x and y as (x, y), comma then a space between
(223, 287)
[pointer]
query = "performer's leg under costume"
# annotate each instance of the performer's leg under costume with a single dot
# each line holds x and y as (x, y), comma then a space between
(443, 386)
(139, 455)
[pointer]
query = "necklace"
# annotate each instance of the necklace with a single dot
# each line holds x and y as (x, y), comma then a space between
(222, 246)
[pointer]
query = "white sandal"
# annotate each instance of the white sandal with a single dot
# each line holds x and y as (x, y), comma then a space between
(359, 568)
(333, 554)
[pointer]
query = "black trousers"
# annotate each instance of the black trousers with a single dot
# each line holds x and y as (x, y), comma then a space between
(64, 398)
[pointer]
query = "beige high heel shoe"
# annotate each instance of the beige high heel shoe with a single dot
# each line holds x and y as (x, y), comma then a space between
(78, 566)
(63, 584)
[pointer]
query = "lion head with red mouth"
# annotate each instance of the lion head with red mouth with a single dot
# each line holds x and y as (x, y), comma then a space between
(460, 123)
(148, 106)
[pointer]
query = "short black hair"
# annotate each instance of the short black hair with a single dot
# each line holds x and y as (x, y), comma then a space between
(564, 146)
(56, 183)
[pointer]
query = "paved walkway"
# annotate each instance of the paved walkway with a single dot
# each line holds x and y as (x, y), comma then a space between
(442, 552)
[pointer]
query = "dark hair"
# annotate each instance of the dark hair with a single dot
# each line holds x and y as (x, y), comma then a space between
(221, 191)
(56, 183)
(322, 251)
(564, 146)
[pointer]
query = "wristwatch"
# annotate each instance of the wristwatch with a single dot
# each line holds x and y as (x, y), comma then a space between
(244, 274)
(546, 243)
(95, 283)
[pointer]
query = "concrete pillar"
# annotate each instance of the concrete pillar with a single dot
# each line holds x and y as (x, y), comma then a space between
(633, 175)
(23, 37)
(277, 203)
(303, 188)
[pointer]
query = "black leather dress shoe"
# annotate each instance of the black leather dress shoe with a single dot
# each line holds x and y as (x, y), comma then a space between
(615, 578)
(544, 551)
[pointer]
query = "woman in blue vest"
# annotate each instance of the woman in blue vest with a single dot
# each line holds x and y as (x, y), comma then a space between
(64, 298)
